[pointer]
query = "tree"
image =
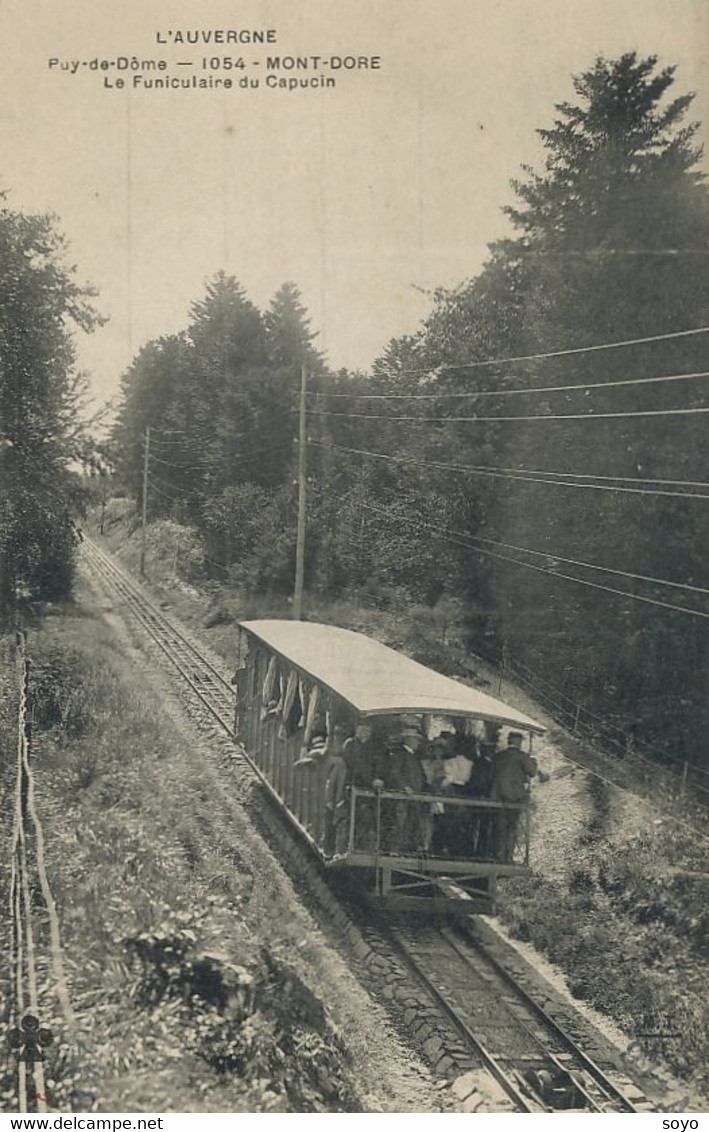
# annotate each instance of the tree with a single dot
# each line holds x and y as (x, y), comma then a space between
(288, 334)
(40, 394)
(609, 234)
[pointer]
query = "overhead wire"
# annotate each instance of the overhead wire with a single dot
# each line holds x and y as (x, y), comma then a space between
(575, 388)
(517, 417)
(550, 554)
(550, 573)
(590, 565)
(477, 363)
(533, 678)
(558, 691)
(180, 467)
(160, 485)
(522, 475)
(201, 437)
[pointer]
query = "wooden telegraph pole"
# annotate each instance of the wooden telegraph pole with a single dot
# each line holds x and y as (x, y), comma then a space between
(300, 540)
(146, 462)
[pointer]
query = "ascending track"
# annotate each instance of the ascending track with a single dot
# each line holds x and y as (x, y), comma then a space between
(537, 1064)
(212, 686)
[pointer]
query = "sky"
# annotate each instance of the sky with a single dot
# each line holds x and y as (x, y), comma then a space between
(367, 196)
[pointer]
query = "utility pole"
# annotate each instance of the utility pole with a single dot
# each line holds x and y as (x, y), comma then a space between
(300, 539)
(146, 461)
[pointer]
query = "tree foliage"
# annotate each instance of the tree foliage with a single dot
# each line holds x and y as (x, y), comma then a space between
(41, 304)
(605, 244)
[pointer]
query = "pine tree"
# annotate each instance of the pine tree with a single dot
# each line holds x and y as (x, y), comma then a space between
(288, 335)
(611, 234)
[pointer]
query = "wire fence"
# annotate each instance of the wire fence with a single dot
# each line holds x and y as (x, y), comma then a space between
(684, 787)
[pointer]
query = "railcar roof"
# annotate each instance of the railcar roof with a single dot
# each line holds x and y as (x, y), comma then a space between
(375, 679)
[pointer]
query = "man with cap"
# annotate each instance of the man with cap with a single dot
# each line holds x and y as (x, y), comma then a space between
(512, 771)
(405, 773)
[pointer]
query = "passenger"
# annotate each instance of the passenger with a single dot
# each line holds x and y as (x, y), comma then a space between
(458, 767)
(479, 786)
(365, 758)
(401, 819)
(482, 779)
(513, 770)
(455, 832)
(335, 795)
(434, 772)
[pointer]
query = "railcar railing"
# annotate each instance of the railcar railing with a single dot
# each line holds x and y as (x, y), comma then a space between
(393, 823)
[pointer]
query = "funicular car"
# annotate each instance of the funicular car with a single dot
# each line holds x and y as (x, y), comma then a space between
(306, 692)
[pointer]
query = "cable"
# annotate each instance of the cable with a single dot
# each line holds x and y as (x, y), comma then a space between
(589, 565)
(508, 392)
(476, 364)
(507, 474)
(182, 467)
(198, 491)
(578, 562)
(553, 573)
(575, 561)
(170, 498)
(535, 417)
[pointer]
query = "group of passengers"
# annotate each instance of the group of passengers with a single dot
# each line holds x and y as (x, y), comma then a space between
(456, 763)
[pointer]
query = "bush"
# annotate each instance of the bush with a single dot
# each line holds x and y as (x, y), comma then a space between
(258, 1021)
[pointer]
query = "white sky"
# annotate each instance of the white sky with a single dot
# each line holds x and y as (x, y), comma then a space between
(361, 195)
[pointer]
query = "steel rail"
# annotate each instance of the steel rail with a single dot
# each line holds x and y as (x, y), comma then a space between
(148, 615)
(192, 665)
(601, 1078)
(129, 584)
(490, 1061)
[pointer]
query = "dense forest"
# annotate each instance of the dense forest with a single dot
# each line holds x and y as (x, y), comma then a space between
(532, 456)
(41, 394)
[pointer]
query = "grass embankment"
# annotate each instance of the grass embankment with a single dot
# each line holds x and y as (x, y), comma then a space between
(197, 984)
(627, 924)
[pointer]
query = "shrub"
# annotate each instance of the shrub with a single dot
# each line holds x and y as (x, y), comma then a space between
(259, 1021)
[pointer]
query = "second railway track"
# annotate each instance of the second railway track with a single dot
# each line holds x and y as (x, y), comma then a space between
(536, 1063)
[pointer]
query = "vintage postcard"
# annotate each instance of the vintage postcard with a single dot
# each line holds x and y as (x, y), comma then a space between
(354, 379)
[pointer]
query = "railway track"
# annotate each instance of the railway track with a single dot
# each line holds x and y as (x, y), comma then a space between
(536, 1063)
(211, 686)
